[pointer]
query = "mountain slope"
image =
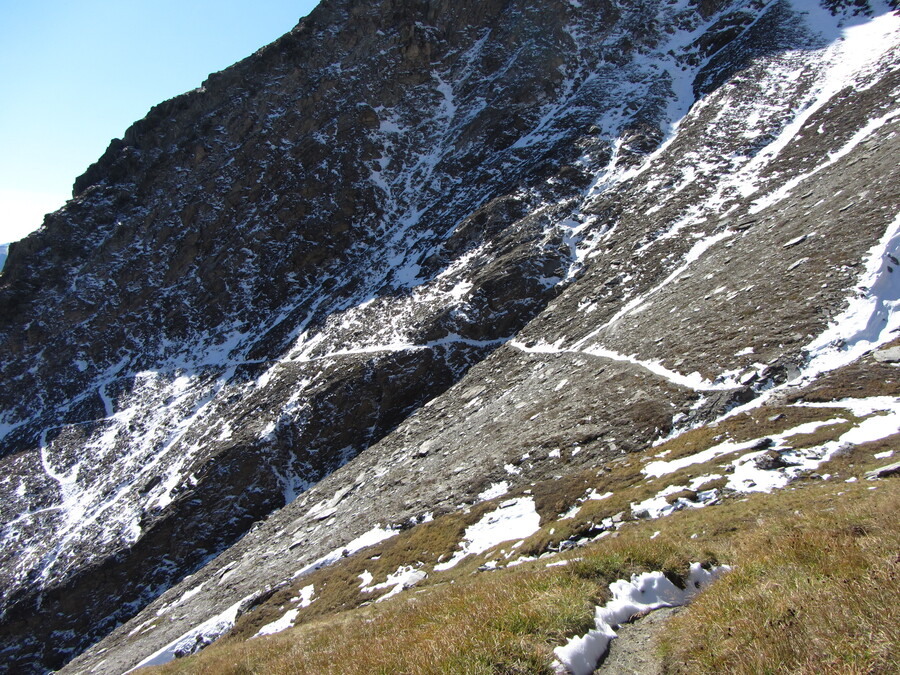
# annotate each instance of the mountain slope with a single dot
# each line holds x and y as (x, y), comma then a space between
(506, 608)
(655, 208)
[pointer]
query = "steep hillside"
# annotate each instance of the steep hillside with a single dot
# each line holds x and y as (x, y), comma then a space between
(414, 255)
(510, 584)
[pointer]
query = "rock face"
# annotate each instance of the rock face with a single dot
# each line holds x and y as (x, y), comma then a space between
(407, 251)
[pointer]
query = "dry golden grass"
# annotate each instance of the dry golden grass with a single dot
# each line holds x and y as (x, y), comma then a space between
(337, 587)
(817, 591)
(487, 625)
(629, 485)
(815, 586)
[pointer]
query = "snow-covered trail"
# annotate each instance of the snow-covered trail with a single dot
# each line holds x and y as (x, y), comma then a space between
(694, 381)
(643, 593)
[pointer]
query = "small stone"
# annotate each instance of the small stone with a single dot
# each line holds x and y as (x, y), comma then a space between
(794, 242)
(770, 461)
(890, 355)
(763, 443)
(843, 449)
(884, 471)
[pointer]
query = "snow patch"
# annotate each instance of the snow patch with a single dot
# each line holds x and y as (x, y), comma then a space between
(870, 318)
(285, 622)
(405, 577)
(306, 596)
(494, 491)
(514, 519)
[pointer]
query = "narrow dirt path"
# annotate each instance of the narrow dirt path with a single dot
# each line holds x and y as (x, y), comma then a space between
(634, 652)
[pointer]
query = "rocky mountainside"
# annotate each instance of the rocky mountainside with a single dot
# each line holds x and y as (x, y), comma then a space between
(414, 253)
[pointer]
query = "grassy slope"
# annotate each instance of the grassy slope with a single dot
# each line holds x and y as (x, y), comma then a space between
(815, 586)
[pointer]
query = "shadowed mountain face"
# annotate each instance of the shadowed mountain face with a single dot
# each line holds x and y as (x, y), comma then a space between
(407, 251)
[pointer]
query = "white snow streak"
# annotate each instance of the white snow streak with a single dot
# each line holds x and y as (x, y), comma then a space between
(203, 634)
(374, 536)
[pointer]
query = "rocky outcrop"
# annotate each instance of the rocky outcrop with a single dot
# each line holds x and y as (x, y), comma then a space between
(408, 251)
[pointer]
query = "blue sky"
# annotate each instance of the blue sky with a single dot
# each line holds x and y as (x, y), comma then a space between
(74, 75)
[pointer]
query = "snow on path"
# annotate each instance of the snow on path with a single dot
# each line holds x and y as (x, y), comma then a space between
(451, 339)
(645, 592)
(694, 381)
